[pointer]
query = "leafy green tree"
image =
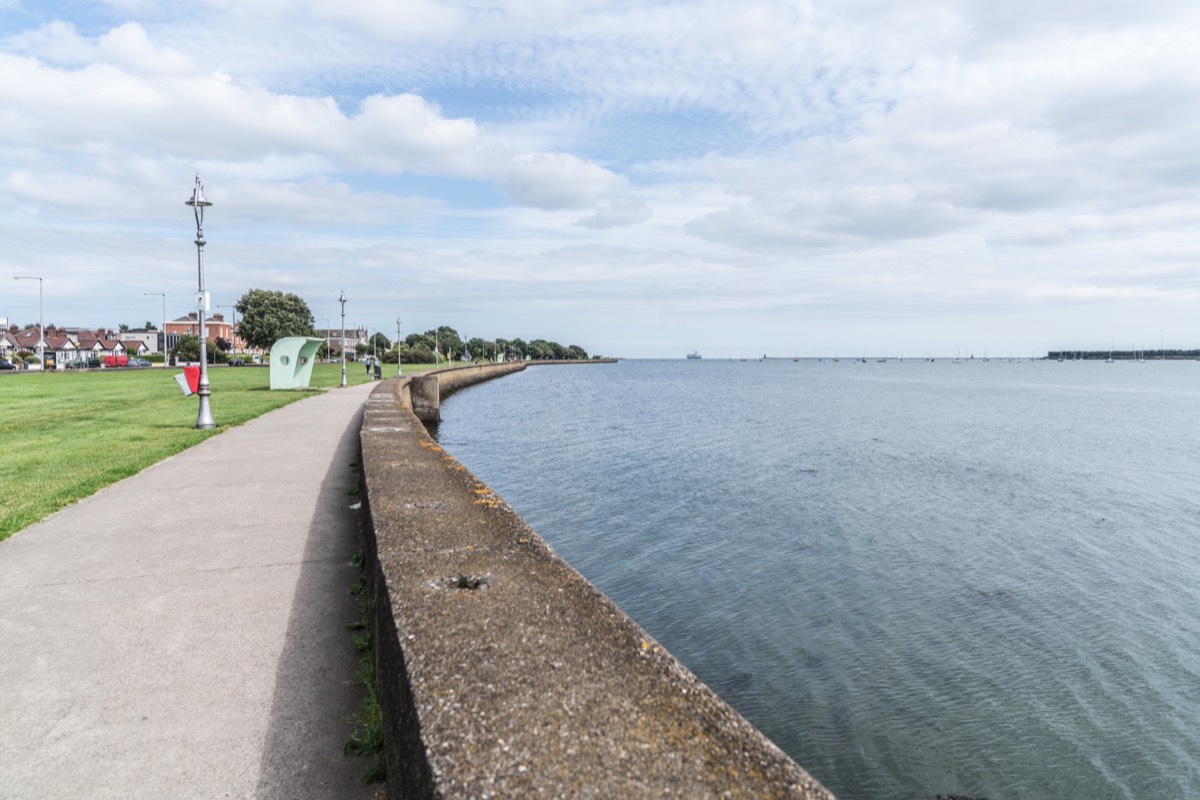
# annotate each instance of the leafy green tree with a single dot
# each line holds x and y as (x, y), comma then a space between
(480, 349)
(419, 340)
(417, 355)
(448, 340)
(268, 316)
(379, 342)
(150, 326)
(542, 350)
(576, 352)
(187, 348)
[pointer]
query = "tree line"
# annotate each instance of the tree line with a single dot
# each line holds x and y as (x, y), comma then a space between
(267, 316)
(445, 343)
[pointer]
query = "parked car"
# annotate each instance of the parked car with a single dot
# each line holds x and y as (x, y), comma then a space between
(236, 362)
(7, 365)
(138, 362)
(90, 362)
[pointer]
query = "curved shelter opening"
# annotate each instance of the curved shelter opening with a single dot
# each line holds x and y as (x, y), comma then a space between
(292, 361)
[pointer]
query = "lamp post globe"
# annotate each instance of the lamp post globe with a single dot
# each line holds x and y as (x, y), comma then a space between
(198, 202)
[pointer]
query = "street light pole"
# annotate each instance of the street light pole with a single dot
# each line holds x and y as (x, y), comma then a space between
(41, 322)
(397, 347)
(342, 300)
(198, 203)
(163, 295)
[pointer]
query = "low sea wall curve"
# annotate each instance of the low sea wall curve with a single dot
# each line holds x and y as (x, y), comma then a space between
(502, 671)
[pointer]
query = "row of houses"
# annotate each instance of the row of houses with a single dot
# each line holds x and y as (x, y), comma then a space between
(62, 346)
(65, 345)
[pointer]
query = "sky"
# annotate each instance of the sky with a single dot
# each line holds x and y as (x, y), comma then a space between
(641, 179)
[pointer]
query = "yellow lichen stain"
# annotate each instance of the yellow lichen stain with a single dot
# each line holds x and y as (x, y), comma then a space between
(486, 497)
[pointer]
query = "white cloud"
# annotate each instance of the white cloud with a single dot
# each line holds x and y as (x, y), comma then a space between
(863, 161)
(555, 180)
(127, 46)
(404, 132)
(618, 215)
(392, 20)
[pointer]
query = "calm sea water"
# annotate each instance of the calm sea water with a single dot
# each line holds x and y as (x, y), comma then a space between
(916, 578)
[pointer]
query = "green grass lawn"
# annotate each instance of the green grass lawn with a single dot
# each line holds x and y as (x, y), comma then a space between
(66, 435)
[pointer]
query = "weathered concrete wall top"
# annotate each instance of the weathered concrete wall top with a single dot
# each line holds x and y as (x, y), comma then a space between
(504, 673)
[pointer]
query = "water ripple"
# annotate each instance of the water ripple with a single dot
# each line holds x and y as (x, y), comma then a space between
(916, 578)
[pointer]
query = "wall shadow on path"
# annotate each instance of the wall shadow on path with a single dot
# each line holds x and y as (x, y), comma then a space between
(315, 693)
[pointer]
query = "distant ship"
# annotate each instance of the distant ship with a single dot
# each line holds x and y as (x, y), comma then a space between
(694, 355)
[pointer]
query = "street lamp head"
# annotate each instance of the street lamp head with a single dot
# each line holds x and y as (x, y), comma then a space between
(197, 198)
(198, 202)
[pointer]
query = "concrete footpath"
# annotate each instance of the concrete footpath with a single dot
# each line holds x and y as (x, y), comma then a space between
(183, 633)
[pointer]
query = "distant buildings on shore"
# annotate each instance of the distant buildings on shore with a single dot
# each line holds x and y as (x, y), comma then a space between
(65, 345)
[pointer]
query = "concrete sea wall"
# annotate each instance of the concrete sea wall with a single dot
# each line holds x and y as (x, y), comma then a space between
(503, 673)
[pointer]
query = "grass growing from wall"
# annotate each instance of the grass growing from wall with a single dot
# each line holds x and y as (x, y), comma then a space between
(66, 435)
(367, 738)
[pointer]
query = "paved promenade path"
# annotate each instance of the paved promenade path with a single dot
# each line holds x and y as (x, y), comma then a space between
(182, 634)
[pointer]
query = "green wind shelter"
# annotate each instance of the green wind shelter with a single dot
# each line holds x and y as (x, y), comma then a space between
(292, 361)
